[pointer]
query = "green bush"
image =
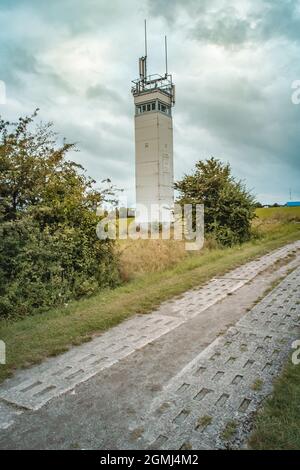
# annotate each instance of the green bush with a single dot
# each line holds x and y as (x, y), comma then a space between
(228, 207)
(49, 251)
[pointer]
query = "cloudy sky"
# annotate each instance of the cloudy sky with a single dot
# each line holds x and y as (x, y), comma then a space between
(233, 62)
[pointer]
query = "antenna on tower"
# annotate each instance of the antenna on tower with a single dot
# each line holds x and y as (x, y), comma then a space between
(147, 83)
(166, 55)
(143, 61)
(145, 49)
(145, 38)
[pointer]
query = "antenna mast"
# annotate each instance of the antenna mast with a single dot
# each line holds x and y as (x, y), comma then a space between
(145, 38)
(166, 55)
(145, 60)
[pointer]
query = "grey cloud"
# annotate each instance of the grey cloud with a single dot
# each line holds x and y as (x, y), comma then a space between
(280, 18)
(75, 15)
(105, 141)
(16, 59)
(103, 92)
(255, 123)
(218, 22)
(170, 10)
(267, 20)
(223, 29)
(108, 97)
(18, 62)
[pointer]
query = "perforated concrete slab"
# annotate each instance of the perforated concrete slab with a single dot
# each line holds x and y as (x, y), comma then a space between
(278, 314)
(228, 380)
(194, 301)
(34, 387)
(8, 415)
(250, 270)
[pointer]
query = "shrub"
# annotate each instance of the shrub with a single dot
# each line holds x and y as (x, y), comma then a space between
(228, 207)
(49, 251)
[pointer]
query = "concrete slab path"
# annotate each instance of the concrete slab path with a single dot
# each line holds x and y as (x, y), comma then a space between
(137, 385)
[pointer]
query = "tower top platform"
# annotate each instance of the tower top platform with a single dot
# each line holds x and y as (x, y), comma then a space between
(149, 83)
(153, 83)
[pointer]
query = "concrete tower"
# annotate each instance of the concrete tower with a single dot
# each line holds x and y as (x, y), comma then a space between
(154, 96)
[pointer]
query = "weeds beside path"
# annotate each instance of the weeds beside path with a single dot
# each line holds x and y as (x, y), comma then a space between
(277, 426)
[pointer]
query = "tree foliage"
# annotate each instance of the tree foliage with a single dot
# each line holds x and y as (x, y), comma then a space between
(228, 206)
(49, 251)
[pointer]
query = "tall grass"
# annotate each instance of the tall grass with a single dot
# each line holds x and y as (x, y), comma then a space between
(138, 257)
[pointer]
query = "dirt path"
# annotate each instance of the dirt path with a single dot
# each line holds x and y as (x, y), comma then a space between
(121, 377)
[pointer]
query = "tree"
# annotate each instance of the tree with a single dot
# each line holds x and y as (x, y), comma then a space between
(49, 250)
(228, 206)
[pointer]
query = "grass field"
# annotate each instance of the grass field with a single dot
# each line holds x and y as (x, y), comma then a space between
(31, 339)
(287, 214)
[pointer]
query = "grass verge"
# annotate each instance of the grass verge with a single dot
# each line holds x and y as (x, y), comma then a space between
(277, 425)
(31, 339)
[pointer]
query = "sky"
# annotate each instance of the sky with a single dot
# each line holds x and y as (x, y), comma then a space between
(233, 63)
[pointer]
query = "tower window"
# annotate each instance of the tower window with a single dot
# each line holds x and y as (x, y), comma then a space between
(145, 108)
(152, 106)
(164, 108)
